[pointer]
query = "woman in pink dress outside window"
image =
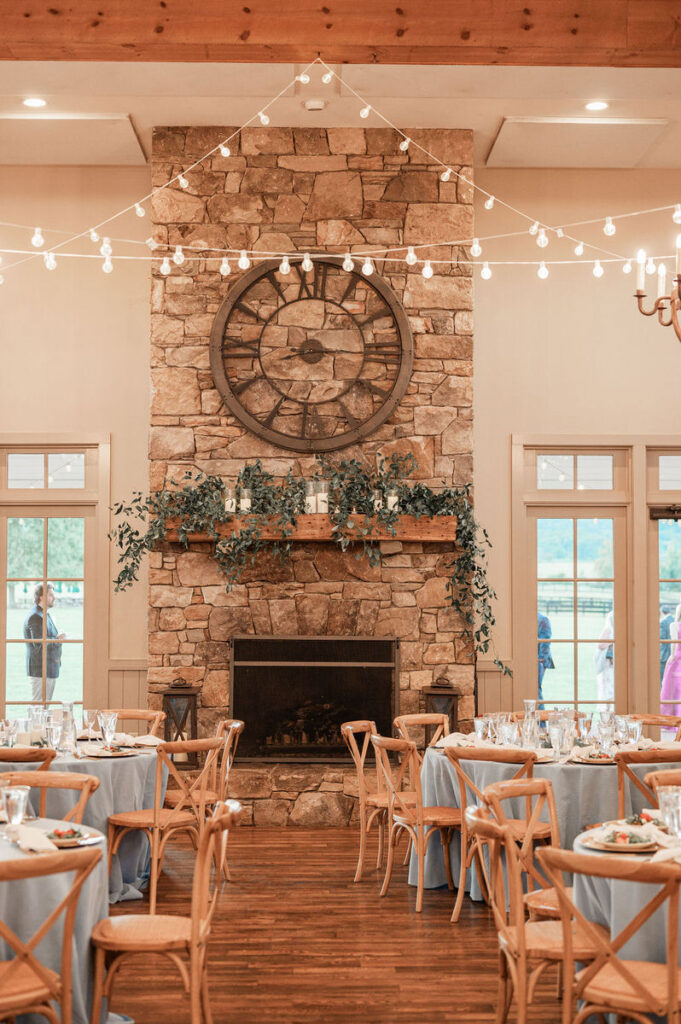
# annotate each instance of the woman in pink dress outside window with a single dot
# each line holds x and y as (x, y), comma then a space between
(671, 681)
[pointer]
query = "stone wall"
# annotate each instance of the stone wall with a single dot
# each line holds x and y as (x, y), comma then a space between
(294, 190)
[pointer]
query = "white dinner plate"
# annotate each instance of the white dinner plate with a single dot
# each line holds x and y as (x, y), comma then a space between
(86, 837)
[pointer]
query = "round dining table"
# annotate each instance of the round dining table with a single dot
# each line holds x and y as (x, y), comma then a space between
(125, 784)
(584, 794)
(26, 903)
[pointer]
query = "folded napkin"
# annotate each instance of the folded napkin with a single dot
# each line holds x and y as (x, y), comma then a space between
(30, 840)
(125, 739)
(148, 741)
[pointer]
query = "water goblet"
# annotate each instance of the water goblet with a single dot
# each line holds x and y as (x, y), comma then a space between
(606, 736)
(480, 726)
(89, 720)
(11, 733)
(556, 737)
(635, 730)
(529, 732)
(508, 734)
(14, 799)
(107, 723)
(53, 733)
(621, 729)
(530, 707)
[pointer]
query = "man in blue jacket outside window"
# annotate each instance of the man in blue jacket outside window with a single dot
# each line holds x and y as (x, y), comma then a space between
(544, 659)
(33, 630)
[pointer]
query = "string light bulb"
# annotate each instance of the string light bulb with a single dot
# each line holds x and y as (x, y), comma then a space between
(303, 78)
(224, 150)
(365, 111)
(427, 270)
(37, 240)
(284, 266)
(307, 263)
(489, 203)
(348, 263)
(264, 118)
(676, 216)
(182, 181)
(446, 174)
(609, 228)
(50, 261)
(2, 280)
(404, 145)
(534, 228)
(139, 210)
(410, 258)
(485, 273)
(650, 266)
(579, 249)
(560, 233)
(178, 256)
(244, 262)
(476, 248)
(107, 265)
(165, 267)
(94, 237)
(626, 269)
(105, 248)
(225, 268)
(543, 271)
(367, 267)
(152, 243)
(326, 78)
(542, 240)
(598, 269)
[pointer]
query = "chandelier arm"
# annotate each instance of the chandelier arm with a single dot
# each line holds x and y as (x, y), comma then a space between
(640, 296)
(675, 319)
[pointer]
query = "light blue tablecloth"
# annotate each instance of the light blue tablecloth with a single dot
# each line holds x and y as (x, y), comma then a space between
(125, 784)
(25, 904)
(584, 794)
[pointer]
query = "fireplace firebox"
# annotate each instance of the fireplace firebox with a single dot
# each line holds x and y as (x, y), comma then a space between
(295, 691)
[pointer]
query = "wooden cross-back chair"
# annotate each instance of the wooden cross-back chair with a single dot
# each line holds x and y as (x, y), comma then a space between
(630, 989)
(407, 813)
(161, 823)
(541, 898)
(624, 759)
(44, 781)
(42, 756)
(154, 719)
(26, 985)
(662, 722)
(372, 791)
(184, 940)
(471, 849)
(663, 777)
(526, 948)
(406, 724)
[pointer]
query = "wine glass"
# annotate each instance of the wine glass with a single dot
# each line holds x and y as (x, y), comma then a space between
(14, 799)
(556, 736)
(107, 722)
(480, 726)
(89, 720)
(635, 730)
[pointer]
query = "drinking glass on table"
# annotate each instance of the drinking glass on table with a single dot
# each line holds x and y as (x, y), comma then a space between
(530, 707)
(556, 734)
(635, 730)
(89, 721)
(529, 732)
(480, 726)
(669, 800)
(14, 800)
(53, 734)
(11, 733)
(621, 729)
(508, 734)
(606, 734)
(107, 723)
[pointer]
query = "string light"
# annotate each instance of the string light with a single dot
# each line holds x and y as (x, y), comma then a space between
(178, 256)
(427, 270)
(489, 203)
(348, 263)
(543, 271)
(94, 237)
(579, 249)
(446, 175)
(225, 268)
(165, 267)
(152, 243)
(485, 273)
(50, 260)
(139, 209)
(560, 233)
(307, 263)
(107, 265)
(105, 248)
(244, 262)
(365, 111)
(2, 280)
(476, 248)
(303, 78)
(609, 228)
(326, 78)
(598, 269)
(404, 145)
(542, 240)
(367, 267)
(534, 228)
(37, 239)
(676, 216)
(284, 266)
(264, 118)
(650, 266)
(410, 258)
(224, 150)
(182, 181)
(626, 269)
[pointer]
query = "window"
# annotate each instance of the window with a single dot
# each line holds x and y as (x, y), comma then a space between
(48, 512)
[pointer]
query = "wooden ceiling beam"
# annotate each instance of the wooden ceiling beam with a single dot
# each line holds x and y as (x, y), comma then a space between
(615, 33)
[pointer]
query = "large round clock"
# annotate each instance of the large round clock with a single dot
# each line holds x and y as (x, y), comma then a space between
(311, 360)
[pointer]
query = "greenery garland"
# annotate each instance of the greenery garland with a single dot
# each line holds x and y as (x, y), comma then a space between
(197, 503)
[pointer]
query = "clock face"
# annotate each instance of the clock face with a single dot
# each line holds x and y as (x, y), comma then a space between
(312, 361)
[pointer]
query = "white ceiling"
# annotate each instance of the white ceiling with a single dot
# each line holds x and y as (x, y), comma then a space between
(144, 95)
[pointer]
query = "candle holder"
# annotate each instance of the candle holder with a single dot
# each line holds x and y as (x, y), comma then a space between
(667, 307)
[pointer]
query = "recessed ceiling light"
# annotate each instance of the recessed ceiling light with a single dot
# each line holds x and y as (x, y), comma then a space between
(34, 101)
(597, 105)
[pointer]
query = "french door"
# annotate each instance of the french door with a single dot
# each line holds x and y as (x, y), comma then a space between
(46, 607)
(577, 632)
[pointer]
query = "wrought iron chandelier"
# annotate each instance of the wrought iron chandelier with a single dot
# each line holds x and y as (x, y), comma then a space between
(667, 307)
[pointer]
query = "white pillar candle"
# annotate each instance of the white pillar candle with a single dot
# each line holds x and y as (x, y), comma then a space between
(310, 504)
(640, 270)
(230, 503)
(323, 502)
(392, 500)
(245, 503)
(662, 280)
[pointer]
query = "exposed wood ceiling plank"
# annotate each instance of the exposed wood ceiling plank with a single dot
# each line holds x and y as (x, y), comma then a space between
(619, 33)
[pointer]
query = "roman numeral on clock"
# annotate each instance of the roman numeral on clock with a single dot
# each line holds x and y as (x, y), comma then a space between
(311, 423)
(238, 348)
(389, 352)
(272, 414)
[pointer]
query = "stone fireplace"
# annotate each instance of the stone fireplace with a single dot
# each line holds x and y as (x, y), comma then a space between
(296, 190)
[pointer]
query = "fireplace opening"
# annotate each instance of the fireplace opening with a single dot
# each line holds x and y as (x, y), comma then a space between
(295, 692)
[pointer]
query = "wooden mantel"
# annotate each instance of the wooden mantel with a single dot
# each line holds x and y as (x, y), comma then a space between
(596, 33)
(438, 529)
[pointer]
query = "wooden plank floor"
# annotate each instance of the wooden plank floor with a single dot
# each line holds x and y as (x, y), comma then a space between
(295, 941)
